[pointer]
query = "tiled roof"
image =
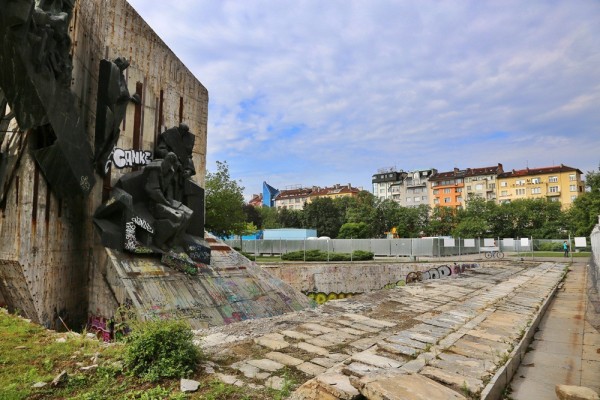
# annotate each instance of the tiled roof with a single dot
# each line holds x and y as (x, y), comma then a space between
(293, 193)
(539, 171)
(496, 169)
(456, 173)
(337, 189)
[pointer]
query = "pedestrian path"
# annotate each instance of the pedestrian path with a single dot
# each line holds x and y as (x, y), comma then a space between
(565, 349)
(442, 339)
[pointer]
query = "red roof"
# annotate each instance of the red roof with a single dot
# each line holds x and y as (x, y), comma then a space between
(539, 171)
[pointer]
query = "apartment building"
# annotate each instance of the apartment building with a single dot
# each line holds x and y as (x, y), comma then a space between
(334, 192)
(293, 199)
(481, 182)
(558, 183)
(412, 190)
(385, 183)
(447, 188)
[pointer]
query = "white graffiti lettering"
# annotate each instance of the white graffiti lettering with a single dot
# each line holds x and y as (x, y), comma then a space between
(130, 240)
(142, 224)
(130, 158)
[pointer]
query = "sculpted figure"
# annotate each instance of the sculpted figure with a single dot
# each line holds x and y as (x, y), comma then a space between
(180, 141)
(171, 216)
(113, 98)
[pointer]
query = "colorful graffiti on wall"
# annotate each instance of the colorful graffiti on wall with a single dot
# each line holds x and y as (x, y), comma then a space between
(439, 272)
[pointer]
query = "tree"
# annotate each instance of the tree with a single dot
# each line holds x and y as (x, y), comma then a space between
(253, 215)
(412, 222)
(224, 203)
(323, 215)
(288, 218)
(442, 222)
(354, 230)
(583, 214)
(269, 218)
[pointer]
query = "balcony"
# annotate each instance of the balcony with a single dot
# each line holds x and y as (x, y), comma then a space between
(553, 194)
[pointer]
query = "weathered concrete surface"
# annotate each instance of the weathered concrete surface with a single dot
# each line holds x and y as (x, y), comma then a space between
(461, 331)
(231, 289)
(567, 392)
(566, 349)
(50, 263)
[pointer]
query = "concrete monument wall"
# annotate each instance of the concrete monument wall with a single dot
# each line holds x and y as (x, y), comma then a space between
(50, 257)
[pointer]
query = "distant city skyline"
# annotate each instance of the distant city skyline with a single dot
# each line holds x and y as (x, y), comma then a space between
(315, 93)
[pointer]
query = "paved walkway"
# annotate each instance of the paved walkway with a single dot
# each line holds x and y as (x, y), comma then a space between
(566, 348)
(440, 339)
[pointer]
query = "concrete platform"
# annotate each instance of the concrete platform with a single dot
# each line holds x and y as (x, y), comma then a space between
(461, 335)
(565, 349)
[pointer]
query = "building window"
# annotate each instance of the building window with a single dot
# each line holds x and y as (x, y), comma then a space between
(446, 199)
(459, 190)
(409, 199)
(555, 199)
(535, 181)
(448, 190)
(553, 179)
(553, 189)
(459, 199)
(436, 191)
(436, 201)
(573, 197)
(504, 184)
(479, 186)
(520, 192)
(536, 190)
(572, 177)
(468, 188)
(492, 186)
(424, 198)
(504, 193)
(520, 182)
(573, 188)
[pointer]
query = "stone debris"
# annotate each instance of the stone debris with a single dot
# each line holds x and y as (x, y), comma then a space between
(60, 379)
(39, 385)
(275, 382)
(568, 392)
(188, 385)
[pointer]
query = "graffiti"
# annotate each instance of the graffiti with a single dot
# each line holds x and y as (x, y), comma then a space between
(130, 240)
(442, 271)
(128, 158)
(142, 224)
(101, 326)
(84, 183)
(321, 298)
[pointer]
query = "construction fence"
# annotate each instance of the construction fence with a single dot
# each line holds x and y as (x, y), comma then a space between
(422, 247)
(593, 281)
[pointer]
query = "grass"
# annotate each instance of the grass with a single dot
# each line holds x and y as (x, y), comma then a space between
(31, 354)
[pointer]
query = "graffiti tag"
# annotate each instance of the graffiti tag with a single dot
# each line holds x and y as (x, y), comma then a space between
(142, 224)
(128, 158)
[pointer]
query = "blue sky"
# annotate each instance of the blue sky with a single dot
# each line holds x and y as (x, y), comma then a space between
(315, 92)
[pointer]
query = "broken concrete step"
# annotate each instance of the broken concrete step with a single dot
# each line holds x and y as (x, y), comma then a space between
(452, 379)
(409, 386)
(266, 364)
(311, 369)
(398, 349)
(284, 359)
(270, 343)
(405, 340)
(375, 360)
(312, 348)
(359, 369)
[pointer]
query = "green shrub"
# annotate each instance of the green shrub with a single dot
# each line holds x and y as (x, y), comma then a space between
(550, 246)
(361, 255)
(249, 256)
(158, 349)
(318, 255)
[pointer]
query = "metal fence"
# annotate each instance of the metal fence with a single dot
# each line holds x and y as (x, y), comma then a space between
(593, 282)
(425, 247)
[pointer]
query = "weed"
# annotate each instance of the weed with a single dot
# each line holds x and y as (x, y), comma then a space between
(158, 349)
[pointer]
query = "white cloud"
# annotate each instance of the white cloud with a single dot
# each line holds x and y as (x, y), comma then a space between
(372, 84)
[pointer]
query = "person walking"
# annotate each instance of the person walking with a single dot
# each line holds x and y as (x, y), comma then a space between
(566, 248)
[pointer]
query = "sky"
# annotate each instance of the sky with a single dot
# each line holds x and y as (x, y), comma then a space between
(313, 92)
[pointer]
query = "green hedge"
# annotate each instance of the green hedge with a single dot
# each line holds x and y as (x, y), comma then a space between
(550, 246)
(319, 255)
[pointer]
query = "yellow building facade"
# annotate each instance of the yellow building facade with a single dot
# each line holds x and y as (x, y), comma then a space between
(558, 183)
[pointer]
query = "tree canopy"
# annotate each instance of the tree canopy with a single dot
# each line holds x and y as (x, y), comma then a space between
(224, 203)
